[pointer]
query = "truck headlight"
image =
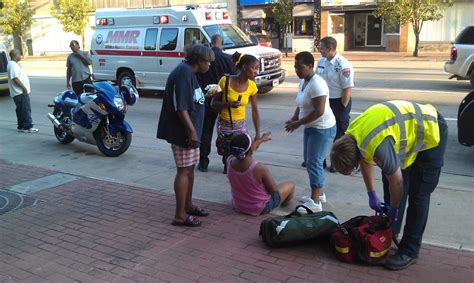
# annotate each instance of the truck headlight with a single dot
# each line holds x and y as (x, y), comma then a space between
(118, 101)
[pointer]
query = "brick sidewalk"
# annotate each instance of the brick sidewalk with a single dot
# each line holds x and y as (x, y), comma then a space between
(96, 231)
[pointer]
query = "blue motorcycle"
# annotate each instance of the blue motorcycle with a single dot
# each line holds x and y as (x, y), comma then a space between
(95, 117)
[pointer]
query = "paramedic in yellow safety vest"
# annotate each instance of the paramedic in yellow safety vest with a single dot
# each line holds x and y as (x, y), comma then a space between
(407, 141)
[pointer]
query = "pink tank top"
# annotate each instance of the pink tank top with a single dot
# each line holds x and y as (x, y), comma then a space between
(248, 195)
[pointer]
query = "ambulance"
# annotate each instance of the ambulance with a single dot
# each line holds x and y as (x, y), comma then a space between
(143, 46)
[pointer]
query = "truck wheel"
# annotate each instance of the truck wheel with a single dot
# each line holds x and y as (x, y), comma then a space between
(265, 89)
(126, 77)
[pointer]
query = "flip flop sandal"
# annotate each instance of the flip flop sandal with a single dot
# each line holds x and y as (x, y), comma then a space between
(190, 221)
(197, 211)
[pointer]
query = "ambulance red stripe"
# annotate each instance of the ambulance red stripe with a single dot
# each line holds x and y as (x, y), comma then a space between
(138, 53)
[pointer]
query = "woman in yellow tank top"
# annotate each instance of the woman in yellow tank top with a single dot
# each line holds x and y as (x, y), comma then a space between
(241, 90)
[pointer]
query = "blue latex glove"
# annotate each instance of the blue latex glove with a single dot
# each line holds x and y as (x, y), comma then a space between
(374, 202)
(392, 213)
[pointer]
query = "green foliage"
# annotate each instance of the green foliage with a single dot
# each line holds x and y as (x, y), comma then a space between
(283, 12)
(415, 12)
(73, 15)
(16, 17)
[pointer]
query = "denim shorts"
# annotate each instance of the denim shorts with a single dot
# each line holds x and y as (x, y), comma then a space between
(274, 201)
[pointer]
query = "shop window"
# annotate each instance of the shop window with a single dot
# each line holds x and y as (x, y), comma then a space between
(337, 24)
(303, 25)
(252, 26)
(392, 28)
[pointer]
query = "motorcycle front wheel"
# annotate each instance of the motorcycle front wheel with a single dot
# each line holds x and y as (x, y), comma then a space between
(63, 136)
(113, 145)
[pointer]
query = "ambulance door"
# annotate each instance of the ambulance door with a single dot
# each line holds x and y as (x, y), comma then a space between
(150, 62)
(169, 55)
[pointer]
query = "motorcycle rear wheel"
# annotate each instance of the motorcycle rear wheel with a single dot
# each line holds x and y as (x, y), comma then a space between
(113, 146)
(63, 136)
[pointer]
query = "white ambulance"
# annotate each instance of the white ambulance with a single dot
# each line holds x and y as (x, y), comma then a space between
(143, 46)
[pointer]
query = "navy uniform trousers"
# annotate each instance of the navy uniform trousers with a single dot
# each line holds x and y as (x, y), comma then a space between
(419, 181)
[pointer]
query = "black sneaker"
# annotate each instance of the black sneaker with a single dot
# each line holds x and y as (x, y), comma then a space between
(303, 164)
(332, 169)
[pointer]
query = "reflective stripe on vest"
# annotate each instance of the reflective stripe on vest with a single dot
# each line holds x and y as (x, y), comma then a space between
(406, 147)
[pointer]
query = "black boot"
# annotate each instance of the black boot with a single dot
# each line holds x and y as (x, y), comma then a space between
(399, 261)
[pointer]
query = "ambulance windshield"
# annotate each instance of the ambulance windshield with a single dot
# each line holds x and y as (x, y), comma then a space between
(232, 35)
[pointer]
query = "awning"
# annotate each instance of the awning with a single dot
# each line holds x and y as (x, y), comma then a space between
(255, 13)
(303, 10)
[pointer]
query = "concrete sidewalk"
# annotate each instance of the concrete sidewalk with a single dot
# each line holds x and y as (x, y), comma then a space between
(88, 230)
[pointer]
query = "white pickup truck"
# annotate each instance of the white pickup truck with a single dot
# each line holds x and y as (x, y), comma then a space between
(461, 64)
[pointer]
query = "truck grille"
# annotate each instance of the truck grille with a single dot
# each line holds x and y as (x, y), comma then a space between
(270, 64)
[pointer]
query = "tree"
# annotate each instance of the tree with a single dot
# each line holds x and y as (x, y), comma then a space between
(415, 12)
(283, 12)
(317, 25)
(16, 18)
(73, 15)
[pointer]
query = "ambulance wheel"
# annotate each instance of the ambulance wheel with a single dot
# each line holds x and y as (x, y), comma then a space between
(126, 77)
(265, 89)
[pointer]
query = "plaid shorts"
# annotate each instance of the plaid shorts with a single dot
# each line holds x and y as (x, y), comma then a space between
(185, 157)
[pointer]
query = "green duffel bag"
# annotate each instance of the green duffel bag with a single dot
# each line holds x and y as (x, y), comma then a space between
(296, 228)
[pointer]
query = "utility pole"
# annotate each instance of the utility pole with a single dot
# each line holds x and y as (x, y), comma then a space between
(317, 25)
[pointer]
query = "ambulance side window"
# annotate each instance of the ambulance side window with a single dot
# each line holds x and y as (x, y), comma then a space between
(150, 38)
(194, 35)
(168, 39)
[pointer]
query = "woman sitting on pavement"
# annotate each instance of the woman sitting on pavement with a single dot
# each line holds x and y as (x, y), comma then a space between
(241, 90)
(254, 191)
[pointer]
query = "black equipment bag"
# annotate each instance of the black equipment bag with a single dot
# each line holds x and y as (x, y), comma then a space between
(296, 228)
(466, 120)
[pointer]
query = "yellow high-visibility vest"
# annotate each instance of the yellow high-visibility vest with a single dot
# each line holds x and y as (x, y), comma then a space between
(414, 128)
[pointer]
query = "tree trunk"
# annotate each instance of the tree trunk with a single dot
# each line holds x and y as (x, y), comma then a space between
(417, 44)
(18, 43)
(285, 43)
(83, 41)
(317, 25)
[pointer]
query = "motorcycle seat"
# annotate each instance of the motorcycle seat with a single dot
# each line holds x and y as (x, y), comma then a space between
(69, 102)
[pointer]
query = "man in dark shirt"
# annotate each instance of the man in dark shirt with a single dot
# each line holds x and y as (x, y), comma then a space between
(180, 124)
(222, 65)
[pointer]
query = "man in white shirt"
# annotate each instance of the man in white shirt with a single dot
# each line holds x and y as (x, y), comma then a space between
(339, 76)
(19, 85)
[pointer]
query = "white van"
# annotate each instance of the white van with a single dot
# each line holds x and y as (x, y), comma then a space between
(3, 70)
(143, 46)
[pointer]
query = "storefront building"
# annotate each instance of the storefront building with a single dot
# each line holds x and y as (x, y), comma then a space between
(352, 24)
